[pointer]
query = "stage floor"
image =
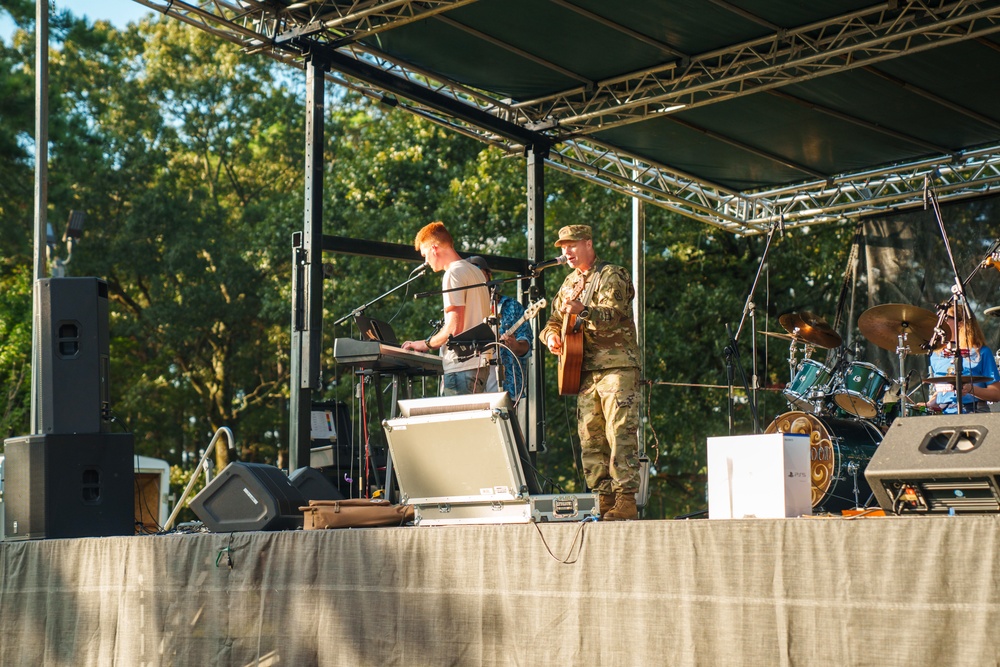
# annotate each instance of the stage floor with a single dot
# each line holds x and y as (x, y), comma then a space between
(810, 591)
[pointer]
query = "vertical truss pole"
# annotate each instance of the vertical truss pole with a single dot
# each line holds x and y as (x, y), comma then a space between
(639, 280)
(307, 334)
(535, 433)
(41, 197)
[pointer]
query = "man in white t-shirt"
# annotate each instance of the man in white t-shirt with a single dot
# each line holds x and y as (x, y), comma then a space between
(463, 309)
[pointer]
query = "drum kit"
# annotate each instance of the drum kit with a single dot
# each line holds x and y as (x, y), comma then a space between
(845, 406)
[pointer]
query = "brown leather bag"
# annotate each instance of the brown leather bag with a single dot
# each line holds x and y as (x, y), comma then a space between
(354, 513)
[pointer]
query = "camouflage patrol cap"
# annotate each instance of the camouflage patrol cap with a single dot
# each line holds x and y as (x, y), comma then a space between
(574, 233)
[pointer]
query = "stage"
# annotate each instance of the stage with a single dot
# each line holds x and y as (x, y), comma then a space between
(912, 590)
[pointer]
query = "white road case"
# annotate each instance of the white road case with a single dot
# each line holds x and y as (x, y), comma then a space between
(456, 460)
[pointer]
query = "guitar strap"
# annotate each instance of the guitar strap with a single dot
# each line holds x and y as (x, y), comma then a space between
(588, 293)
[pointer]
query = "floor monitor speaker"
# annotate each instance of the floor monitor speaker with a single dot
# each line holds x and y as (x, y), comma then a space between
(62, 486)
(249, 496)
(945, 464)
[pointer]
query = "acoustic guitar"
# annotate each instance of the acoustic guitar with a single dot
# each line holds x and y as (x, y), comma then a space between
(571, 356)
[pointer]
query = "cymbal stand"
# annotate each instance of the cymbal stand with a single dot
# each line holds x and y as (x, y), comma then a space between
(793, 360)
(901, 351)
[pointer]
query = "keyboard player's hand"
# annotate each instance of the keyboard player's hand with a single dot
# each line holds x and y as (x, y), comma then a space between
(415, 345)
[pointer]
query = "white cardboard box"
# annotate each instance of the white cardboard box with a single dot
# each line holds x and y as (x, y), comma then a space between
(759, 476)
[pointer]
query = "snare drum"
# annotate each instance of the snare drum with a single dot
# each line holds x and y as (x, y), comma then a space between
(839, 452)
(810, 384)
(862, 391)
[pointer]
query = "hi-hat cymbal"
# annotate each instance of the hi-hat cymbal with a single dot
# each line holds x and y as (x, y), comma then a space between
(883, 325)
(811, 328)
(778, 334)
(950, 379)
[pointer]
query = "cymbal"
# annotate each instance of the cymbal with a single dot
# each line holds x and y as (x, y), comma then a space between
(811, 328)
(778, 334)
(950, 379)
(992, 312)
(883, 324)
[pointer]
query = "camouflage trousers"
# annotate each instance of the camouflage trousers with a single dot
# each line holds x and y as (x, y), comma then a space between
(607, 411)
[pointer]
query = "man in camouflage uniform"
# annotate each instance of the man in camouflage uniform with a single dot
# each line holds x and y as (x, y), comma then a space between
(608, 401)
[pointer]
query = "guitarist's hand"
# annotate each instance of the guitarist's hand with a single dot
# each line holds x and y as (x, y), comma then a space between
(555, 344)
(573, 307)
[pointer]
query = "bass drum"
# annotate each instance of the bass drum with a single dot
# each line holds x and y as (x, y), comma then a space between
(839, 452)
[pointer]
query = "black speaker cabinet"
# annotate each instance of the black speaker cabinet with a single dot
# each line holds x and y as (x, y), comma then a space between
(313, 485)
(249, 496)
(74, 361)
(60, 486)
(938, 464)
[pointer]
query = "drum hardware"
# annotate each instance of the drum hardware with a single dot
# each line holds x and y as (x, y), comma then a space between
(810, 328)
(992, 312)
(853, 469)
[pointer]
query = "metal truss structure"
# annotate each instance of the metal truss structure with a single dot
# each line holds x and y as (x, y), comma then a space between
(569, 124)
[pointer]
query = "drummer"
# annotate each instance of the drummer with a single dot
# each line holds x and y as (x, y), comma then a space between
(977, 359)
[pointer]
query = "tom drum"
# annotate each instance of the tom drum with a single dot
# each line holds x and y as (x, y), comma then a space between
(862, 390)
(809, 386)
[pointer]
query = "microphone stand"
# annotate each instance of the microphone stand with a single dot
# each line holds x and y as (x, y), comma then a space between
(361, 309)
(957, 298)
(732, 348)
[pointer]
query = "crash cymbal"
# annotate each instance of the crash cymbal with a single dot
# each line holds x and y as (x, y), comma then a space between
(950, 379)
(992, 312)
(883, 324)
(811, 328)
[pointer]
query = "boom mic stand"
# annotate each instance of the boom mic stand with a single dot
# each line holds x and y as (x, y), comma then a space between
(732, 347)
(416, 273)
(957, 299)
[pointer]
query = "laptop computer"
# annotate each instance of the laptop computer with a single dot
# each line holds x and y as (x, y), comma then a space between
(377, 330)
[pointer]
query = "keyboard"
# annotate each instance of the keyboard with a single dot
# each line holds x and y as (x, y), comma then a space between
(375, 356)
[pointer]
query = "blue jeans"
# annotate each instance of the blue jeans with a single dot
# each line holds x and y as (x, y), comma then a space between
(473, 381)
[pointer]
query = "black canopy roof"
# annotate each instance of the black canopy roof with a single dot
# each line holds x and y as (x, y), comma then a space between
(739, 114)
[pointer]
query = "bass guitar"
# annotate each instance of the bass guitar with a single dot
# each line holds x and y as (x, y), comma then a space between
(529, 312)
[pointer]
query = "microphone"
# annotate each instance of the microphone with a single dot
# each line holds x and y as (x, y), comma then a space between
(423, 267)
(541, 266)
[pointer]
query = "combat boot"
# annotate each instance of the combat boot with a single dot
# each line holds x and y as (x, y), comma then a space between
(607, 503)
(624, 508)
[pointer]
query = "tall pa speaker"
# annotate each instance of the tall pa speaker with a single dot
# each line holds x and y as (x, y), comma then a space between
(938, 465)
(74, 362)
(62, 486)
(249, 496)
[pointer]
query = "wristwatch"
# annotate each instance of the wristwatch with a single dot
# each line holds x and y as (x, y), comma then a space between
(584, 314)
(427, 342)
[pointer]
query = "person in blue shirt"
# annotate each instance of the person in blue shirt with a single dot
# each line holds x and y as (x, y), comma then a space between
(509, 311)
(977, 359)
